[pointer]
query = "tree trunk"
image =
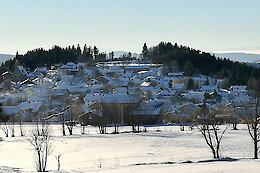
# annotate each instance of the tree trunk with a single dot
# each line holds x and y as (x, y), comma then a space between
(39, 161)
(21, 129)
(83, 130)
(133, 129)
(115, 126)
(63, 129)
(235, 126)
(256, 150)
(70, 131)
(255, 141)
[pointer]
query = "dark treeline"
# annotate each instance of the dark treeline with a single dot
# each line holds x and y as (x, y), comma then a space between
(175, 57)
(56, 55)
(193, 61)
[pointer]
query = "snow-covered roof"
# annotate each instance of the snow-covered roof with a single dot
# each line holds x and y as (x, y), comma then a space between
(81, 64)
(69, 66)
(11, 110)
(190, 105)
(166, 93)
(178, 85)
(95, 97)
(32, 106)
(207, 87)
(236, 88)
(151, 107)
(35, 75)
(27, 82)
(145, 84)
(121, 89)
(119, 82)
(60, 91)
(199, 78)
(40, 69)
(38, 98)
(22, 70)
(7, 73)
(119, 98)
(175, 74)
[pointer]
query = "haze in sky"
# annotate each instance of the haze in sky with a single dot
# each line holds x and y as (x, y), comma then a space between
(214, 26)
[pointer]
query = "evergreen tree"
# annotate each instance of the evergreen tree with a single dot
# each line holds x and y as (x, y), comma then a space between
(112, 55)
(85, 50)
(190, 84)
(129, 55)
(145, 52)
(193, 61)
(95, 52)
(188, 69)
(207, 81)
(78, 50)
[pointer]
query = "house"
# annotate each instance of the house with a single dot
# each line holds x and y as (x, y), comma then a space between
(93, 98)
(208, 89)
(177, 78)
(26, 109)
(19, 74)
(34, 75)
(117, 107)
(69, 69)
(7, 75)
(29, 108)
(42, 81)
(60, 95)
(188, 109)
(237, 88)
(27, 83)
(42, 70)
(197, 96)
(235, 91)
(178, 74)
(200, 81)
(149, 112)
(167, 93)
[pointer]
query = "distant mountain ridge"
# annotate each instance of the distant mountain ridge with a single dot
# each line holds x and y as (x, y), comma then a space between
(4, 57)
(240, 57)
(118, 54)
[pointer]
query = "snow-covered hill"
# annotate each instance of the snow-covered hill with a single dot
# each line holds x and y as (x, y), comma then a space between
(160, 149)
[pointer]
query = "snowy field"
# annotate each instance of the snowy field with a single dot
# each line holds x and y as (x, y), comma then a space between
(160, 149)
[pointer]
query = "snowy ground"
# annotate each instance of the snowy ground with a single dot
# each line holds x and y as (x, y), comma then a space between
(152, 151)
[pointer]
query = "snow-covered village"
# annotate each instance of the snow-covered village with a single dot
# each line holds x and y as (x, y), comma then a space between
(122, 101)
(142, 87)
(120, 86)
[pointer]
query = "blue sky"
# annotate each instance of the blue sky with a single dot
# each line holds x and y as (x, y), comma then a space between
(214, 26)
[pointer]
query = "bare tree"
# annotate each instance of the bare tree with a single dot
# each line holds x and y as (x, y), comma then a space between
(5, 129)
(58, 160)
(13, 119)
(41, 140)
(4, 119)
(232, 118)
(99, 163)
(61, 117)
(209, 127)
(72, 114)
(251, 114)
(102, 124)
(22, 131)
